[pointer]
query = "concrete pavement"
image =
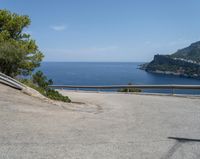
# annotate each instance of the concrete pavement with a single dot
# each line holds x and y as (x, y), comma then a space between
(100, 125)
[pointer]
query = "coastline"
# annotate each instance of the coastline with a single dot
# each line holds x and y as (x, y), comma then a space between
(144, 68)
(174, 74)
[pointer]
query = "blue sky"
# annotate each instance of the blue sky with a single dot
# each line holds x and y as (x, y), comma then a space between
(109, 30)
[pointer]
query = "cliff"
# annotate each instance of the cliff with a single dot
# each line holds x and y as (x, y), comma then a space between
(184, 62)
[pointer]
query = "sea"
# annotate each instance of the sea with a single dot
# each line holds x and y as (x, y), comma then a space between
(111, 73)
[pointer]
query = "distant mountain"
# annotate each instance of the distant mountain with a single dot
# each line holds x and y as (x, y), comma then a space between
(184, 62)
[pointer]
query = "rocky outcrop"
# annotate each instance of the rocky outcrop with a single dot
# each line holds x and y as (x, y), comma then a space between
(185, 62)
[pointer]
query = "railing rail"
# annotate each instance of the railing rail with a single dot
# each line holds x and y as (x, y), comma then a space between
(191, 87)
(4, 79)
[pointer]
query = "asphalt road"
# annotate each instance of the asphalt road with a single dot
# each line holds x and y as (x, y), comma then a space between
(100, 126)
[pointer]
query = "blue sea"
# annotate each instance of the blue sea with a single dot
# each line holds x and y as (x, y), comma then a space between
(110, 73)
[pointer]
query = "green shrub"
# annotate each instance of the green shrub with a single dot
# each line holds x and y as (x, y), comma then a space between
(40, 83)
(41, 80)
(129, 89)
(55, 95)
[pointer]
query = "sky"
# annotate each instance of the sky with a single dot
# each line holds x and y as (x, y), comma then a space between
(109, 30)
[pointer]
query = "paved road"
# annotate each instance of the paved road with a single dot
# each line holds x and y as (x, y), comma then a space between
(110, 126)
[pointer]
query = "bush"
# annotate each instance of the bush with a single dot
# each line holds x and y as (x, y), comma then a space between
(129, 89)
(40, 83)
(55, 95)
(41, 80)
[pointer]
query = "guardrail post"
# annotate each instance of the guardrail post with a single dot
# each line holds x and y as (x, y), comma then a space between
(172, 91)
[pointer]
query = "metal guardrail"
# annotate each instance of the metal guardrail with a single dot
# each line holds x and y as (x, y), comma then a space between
(168, 87)
(4, 79)
(130, 86)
